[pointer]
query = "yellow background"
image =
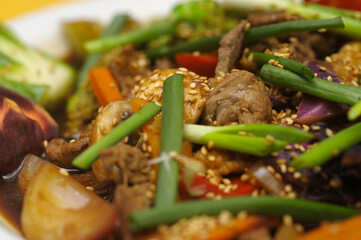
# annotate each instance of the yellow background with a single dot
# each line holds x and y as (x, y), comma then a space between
(13, 8)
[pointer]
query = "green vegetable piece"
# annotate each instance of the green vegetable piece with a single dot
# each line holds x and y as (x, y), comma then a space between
(86, 158)
(137, 36)
(277, 29)
(171, 140)
(194, 132)
(33, 92)
(294, 66)
(354, 112)
(114, 27)
(256, 146)
(6, 61)
(312, 11)
(252, 35)
(299, 210)
(34, 69)
(328, 148)
(318, 87)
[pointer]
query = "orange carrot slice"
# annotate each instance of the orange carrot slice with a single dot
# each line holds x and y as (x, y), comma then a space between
(104, 86)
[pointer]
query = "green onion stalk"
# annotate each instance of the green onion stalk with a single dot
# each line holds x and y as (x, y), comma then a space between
(134, 122)
(329, 148)
(289, 64)
(318, 87)
(228, 137)
(354, 112)
(171, 140)
(252, 35)
(313, 11)
(299, 210)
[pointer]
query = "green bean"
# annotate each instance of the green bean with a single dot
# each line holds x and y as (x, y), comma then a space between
(328, 148)
(256, 146)
(299, 210)
(114, 27)
(354, 112)
(277, 29)
(294, 66)
(318, 87)
(194, 132)
(171, 140)
(86, 158)
(252, 35)
(202, 45)
(137, 36)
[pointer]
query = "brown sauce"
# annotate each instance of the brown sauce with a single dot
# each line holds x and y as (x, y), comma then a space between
(11, 201)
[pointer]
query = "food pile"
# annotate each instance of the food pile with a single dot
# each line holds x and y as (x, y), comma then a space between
(230, 120)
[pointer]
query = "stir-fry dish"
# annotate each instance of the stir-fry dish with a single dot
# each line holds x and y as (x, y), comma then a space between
(223, 120)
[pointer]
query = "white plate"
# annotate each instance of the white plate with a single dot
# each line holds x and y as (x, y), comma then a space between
(42, 29)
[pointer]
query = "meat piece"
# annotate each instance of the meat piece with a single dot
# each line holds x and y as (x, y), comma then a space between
(347, 62)
(230, 48)
(128, 67)
(164, 63)
(130, 199)
(295, 51)
(195, 91)
(264, 18)
(62, 152)
(125, 164)
(239, 97)
(109, 116)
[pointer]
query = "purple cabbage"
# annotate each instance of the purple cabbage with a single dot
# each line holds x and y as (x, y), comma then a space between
(313, 109)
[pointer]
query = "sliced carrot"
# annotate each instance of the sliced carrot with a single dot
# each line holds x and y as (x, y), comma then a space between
(348, 229)
(237, 226)
(104, 86)
(151, 128)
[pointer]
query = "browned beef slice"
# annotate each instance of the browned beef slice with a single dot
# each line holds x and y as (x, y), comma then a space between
(258, 19)
(295, 51)
(62, 153)
(164, 63)
(126, 164)
(129, 67)
(230, 48)
(239, 97)
(129, 199)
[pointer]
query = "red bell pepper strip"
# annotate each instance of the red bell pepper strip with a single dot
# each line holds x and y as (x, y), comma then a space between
(346, 4)
(203, 64)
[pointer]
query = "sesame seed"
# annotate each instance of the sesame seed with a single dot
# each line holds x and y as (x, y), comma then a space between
(183, 69)
(322, 68)
(63, 172)
(315, 74)
(329, 78)
(279, 66)
(210, 195)
(204, 151)
(89, 188)
(287, 220)
(149, 194)
(45, 143)
(271, 169)
(245, 177)
(173, 154)
(126, 139)
(315, 128)
(328, 59)
(226, 181)
(211, 158)
(329, 132)
(248, 26)
(193, 85)
(297, 175)
(242, 215)
(210, 144)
